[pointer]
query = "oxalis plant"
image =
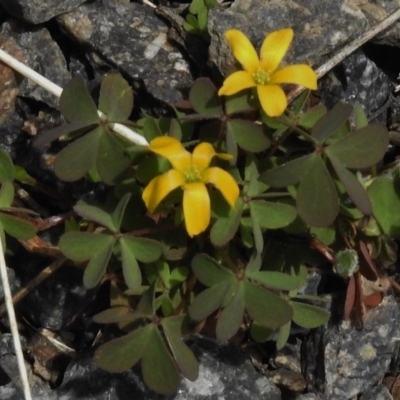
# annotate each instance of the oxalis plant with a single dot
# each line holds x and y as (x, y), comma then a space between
(213, 225)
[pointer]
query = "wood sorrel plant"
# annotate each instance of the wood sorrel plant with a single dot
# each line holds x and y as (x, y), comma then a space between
(216, 221)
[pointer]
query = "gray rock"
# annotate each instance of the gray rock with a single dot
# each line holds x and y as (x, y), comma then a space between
(224, 374)
(43, 55)
(357, 80)
(131, 39)
(379, 392)
(308, 396)
(38, 11)
(341, 362)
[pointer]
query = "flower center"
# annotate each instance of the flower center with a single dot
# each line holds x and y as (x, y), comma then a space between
(261, 77)
(192, 174)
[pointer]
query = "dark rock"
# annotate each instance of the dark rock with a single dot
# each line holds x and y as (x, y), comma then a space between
(342, 362)
(357, 80)
(308, 396)
(131, 39)
(224, 373)
(379, 392)
(38, 11)
(49, 63)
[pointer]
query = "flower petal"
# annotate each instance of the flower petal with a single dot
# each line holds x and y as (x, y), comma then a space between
(299, 74)
(196, 208)
(160, 186)
(274, 48)
(203, 154)
(224, 182)
(236, 82)
(172, 150)
(273, 99)
(243, 50)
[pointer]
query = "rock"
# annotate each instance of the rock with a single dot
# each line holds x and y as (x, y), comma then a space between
(224, 374)
(133, 40)
(342, 362)
(50, 63)
(38, 11)
(308, 396)
(357, 80)
(379, 392)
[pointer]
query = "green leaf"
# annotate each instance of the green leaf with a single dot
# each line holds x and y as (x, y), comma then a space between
(81, 246)
(362, 148)
(83, 153)
(254, 263)
(283, 336)
(204, 98)
(76, 104)
(266, 307)
(248, 135)
(96, 214)
(196, 6)
(178, 275)
(111, 160)
(309, 119)
(330, 122)
(202, 19)
(260, 333)
(97, 266)
(145, 250)
(317, 199)
(274, 280)
(353, 187)
(209, 300)
(6, 194)
(130, 266)
(272, 215)
(150, 167)
(289, 173)
(360, 118)
(209, 272)
(7, 169)
(184, 357)
(224, 228)
(258, 236)
(123, 353)
(231, 316)
(308, 316)
(116, 98)
(17, 227)
(112, 315)
(326, 235)
(119, 211)
(151, 129)
(159, 371)
(239, 102)
(385, 198)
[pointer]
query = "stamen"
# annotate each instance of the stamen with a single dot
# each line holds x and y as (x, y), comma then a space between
(192, 174)
(261, 77)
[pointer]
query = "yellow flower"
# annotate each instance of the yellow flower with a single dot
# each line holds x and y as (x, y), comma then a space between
(191, 172)
(263, 73)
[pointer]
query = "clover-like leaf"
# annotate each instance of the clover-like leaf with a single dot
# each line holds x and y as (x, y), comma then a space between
(119, 211)
(353, 187)
(116, 97)
(17, 227)
(266, 307)
(96, 214)
(184, 357)
(145, 250)
(6, 194)
(258, 236)
(330, 122)
(361, 148)
(123, 353)
(130, 266)
(81, 246)
(317, 200)
(260, 333)
(272, 215)
(209, 272)
(248, 135)
(76, 104)
(204, 99)
(385, 198)
(240, 102)
(289, 173)
(308, 316)
(360, 118)
(231, 316)
(274, 279)
(225, 227)
(309, 119)
(7, 169)
(112, 315)
(158, 367)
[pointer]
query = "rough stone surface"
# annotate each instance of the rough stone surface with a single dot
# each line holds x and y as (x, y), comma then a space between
(50, 63)
(357, 80)
(379, 392)
(38, 11)
(133, 40)
(224, 374)
(342, 362)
